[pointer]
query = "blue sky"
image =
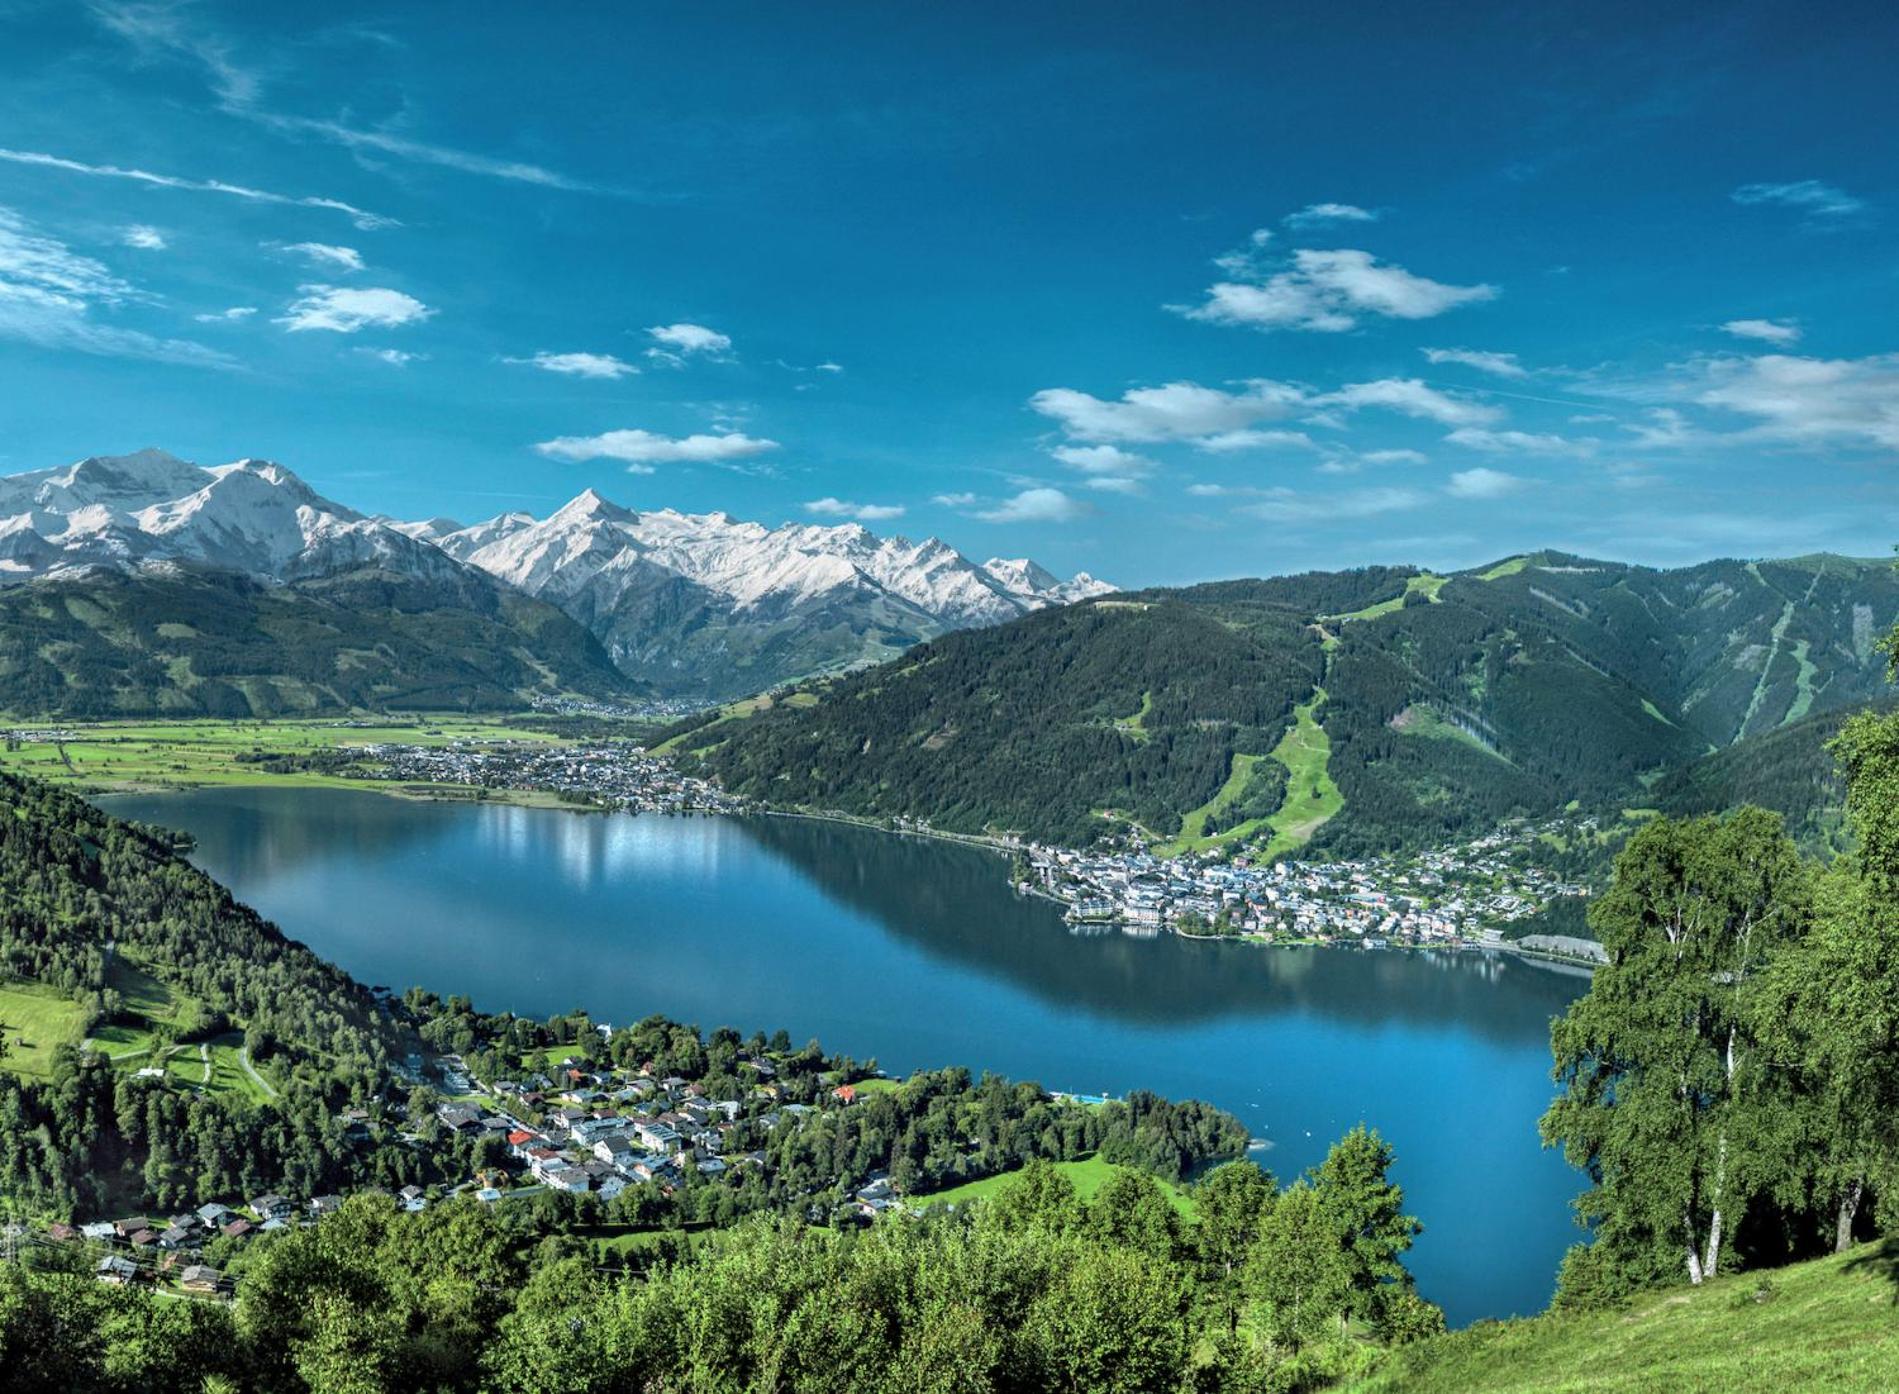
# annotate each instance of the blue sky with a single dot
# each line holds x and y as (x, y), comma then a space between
(1163, 293)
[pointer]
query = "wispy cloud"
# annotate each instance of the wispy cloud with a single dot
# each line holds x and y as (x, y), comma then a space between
(675, 343)
(144, 237)
(1174, 411)
(169, 29)
(1807, 401)
(1410, 397)
(1819, 201)
(1519, 442)
(1482, 483)
(1326, 292)
(963, 500)
(395, 358)
(860, 512)
(327, 255)
(424, 152)
(1315, 214)
(361, 217)
(1103, 460)
(49, 296)
(1503, 365)
(159, 28)
(640, 450)
(1780, 332)
(580, 365)
(1038, 505)
(347, 309)
(230, 316)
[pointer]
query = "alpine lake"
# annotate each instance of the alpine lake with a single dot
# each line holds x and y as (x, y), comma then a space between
(918, 952)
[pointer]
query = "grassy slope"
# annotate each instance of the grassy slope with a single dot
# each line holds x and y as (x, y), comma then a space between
(1829, 1324)
(33, 1020)
(1089, 1175)
(1312, 799)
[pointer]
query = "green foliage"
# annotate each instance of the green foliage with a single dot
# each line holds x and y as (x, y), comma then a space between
(1483, 696)
(219, 644)
(1671, 1102)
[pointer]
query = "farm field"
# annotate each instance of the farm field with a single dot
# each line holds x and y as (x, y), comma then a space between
(149, 755)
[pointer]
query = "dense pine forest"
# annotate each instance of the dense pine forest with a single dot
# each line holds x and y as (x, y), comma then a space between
(1447, 703)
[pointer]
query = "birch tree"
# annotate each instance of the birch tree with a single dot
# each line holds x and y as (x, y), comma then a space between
(1668, 1102)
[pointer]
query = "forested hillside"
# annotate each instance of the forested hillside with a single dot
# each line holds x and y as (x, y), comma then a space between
(210, 643)
(99, 912)
(1441, 703)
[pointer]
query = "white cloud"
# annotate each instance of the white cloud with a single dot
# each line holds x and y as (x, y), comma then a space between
(1812, 197)
(1411, 397)
(579, 365)
(235, 313)
(1519, 442)
(1314, 213)
(145, 237)
(328, 255)
(1329, 292)
(1115, 484)
(953, 500)
(1503, 365)
(423, 152)
(395, 358)
(1230, 442)
(1773, 331)
(680, 341)
(346, 309)
(1041, 505)
(1174, 411)
(361, 217)
(641, 450)
(1808, 401)
(829, 367)
(48, 293)
(1104, 460)
(861, 512)
(1481, 483)
(1287, 506)
(1394, 457)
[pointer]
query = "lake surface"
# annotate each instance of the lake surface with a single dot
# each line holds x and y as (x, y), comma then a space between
(918, 953)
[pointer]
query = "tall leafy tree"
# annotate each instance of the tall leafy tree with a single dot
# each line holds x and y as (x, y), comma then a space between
(1668, 1100)
(1832, 1002)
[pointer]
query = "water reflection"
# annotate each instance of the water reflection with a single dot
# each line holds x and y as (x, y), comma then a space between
(918, 952)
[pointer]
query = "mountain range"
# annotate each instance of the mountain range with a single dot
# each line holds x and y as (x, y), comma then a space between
(679, 605)
(1353, 711)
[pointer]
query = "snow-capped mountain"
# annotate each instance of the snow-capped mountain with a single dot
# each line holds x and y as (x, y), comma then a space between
(150, 508)
(709, 603)
(698, 604)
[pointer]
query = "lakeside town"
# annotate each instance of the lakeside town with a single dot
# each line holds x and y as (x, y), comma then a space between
(629, 1153)
(1469, 894)
(1466, 895)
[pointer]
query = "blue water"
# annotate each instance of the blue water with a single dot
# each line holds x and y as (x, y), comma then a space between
(918, 953)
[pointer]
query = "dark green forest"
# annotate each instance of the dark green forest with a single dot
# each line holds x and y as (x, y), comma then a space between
(211, 643)
(1517, 689)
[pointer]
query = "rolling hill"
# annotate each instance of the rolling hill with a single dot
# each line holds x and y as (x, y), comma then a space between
(1431, 704)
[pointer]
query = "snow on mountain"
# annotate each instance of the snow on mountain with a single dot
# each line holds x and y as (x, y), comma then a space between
(150, 507)
(707, 602)
(695, 603)
(595, 548)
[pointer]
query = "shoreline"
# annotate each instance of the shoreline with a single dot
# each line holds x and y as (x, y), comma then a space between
(545, 799)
